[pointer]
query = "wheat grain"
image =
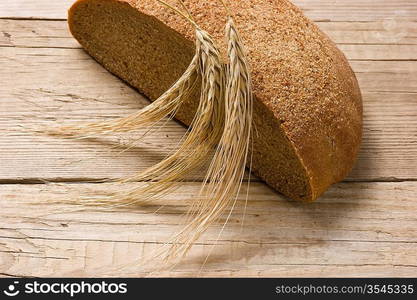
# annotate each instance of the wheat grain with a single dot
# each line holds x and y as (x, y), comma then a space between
(204, 133)
(165, 106)
(226, 171)
(223, 118)
(201, 138)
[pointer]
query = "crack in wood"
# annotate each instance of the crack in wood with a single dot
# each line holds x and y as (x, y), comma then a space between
(213, 243)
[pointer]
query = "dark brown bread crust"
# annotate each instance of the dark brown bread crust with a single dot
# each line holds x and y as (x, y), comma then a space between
(308, 108)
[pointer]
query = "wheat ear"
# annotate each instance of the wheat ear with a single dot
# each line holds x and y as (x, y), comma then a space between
(202, 137)
(205, 132)
(165, 106)
(225, 174)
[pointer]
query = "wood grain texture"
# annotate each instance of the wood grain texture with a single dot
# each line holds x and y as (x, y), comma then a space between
(35, 9)
(358, 10)
(357, 229)
(364, 226)
(78, 89)
(53, 34)
(317, 10)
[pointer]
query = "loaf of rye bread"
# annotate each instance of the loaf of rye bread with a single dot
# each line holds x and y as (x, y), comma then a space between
(308, 106)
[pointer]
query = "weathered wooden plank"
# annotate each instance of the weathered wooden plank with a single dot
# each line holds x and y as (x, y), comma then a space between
(38, 33)
(386, 76)
(53, 86)
(47, 90)
(384, 32)
(30, 33)
(319, 10)
(356, 229)
(41, 9)
(389, 76)
(388, 150)
(358, 10)
(389, 138)
(359, 41)
(379, 52)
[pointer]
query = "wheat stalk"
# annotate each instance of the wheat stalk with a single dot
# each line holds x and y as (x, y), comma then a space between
(166, 105)
(201, 138)
(226, 124)
(205, 131)
(225, 174)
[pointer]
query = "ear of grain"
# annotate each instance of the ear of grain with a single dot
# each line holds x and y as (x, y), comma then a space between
(200, 140)
(202, 136)
(165, 106)
(226, 124)
(226, 171)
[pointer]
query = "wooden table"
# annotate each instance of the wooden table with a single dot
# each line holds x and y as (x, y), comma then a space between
(364, 226)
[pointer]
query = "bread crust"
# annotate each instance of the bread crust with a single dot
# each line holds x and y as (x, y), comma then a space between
(300, 79)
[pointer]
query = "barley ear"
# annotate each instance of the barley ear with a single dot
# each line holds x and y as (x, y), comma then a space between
(200, 140)
(165, 106)
(225, 175)
(203, 135)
